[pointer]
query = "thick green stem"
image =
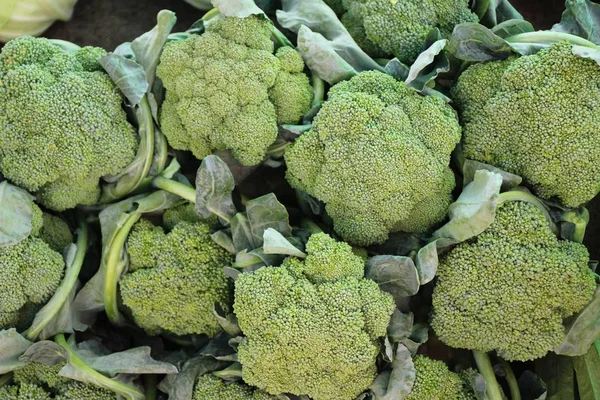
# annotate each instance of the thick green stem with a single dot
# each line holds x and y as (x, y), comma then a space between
(53, 307)
(171, 186)
(150, 382)
(486, 369)
(516, 195)
(511, 379)
(574, 224)
(91, 375)
(280, 37)
(114, 266)
(211, 14)
(319, 89)
(161, 152)
(550, 37)
(311, 226)
(67, 47)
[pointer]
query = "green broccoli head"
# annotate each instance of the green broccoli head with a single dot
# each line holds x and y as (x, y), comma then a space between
(62, 127)
(209, 387)
(24, 391)
(30, 273)
(227, 90)
(175, 279)
(400, 27)
(536, 117)
(311, 333)
(377, 156)
(510, 288)
(433, 380)
(55, 232)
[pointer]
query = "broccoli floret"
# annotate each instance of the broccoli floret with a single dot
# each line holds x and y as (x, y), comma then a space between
(25, 391)
(377, 155)
(510, 288)
(62, 125)
(536, 116)
(311, 334)
(55, 232)
(186, 212)
(399, 27)
(227, 90)
(175, 279)
(79, 391)
(433, 380)
(30, 273)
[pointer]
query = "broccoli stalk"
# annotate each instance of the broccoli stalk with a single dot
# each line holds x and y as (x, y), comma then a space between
(544, 39)
(484, 365)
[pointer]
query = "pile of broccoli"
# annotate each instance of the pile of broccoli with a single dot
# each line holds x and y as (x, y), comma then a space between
(304, 200)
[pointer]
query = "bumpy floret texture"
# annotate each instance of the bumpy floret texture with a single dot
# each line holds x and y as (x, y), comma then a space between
(30, 273)
(311, 334)
(209, 387)
(62, 125)
(55, 232)
(175, 279)
(400, 27)
(377, 156)
(433, 380)
(25, 391)
(536, 116)
(226, 89)
(510, 288)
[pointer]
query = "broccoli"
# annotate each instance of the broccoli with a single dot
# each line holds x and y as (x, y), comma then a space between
(30, 273)
(209, 387)
(536, 116)
(433, 380)
(55, 232)
(510, 288)
(62, 127)
(377, 155)
(175, 278)
(312, 333)
(227, 90)
(399, 27)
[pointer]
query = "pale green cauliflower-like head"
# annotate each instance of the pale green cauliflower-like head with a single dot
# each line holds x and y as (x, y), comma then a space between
(312, 326)
(510, 288)
(228, 89)
(209, 387)
(536, 116)
(175, 278)
(62, 125)
(433, 380)
(377, 156)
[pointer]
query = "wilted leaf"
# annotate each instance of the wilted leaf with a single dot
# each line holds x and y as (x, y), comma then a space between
(394, 274)
(12, 346)
(581, 18)
(237, 8)
(587, 371)
(16, 212)
(128, 75)
(276, 243)
(401, 326)
(474, 42)
(582, 330)
(267, 212)
(214, 185)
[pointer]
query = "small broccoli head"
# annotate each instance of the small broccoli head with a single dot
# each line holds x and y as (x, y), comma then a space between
(433, 380)
(24, 391)
(62, 127)
(227, 90)
(400, 27)
(510, 288)
(55, 232)
(309, 335)
(377, 156)
(175, 279)
(537, 118)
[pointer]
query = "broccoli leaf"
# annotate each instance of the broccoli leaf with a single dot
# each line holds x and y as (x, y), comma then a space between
(16, 213)
(214, 185)
(587, 371)
(228, 322)
(532, 386)
(180, 386)
(12, 346)
(428, 65)
(581, 18)
(237, 8)
(128, 75)
(473, 42)
(201, 5)
(401, 326)
(276, 243)
(470, 167)
(493, 12)
(557, 372)
(267, 212)
(582, 329)
(394, 274)
(512, 27)
(397, 383)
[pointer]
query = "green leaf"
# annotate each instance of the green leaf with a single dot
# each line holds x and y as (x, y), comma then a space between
(16, 213)
(581, 18)
(397, 69)
(532, 387)
(474, 42)
(420, 333)
(237, 8)
(586, 52)
(214, 185)
(241, 233)
(582, 330)
(509, 181)
(428, 65)
(426, 262)
(512, 27)
(180, 386)
(12, 346)
(397, 383)
(267, 212)
(493, 12)
(276, 243)
(228, 322)
(233, 372)
(128, 75)
(401, 326)
(587, 371)
(203, 5)
(45, 352)
(394, 274)
(224, 240)
(557, 372)
(474, 210)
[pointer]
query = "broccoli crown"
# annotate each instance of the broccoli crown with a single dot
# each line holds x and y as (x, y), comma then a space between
(209, 387)
(433, 380)
(62, 127)
(510, 288)
(536, 116)
(400, 27)
(30, 273)
(311, 333)
(226, 89)
(377, 155)
(175, 278)
(34, 376)
(186, 212)
(24, 391)
(55, 232)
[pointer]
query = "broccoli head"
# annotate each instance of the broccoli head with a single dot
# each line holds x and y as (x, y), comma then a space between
(209, 387)
(377, 155)
(62, 125)
(228, 89)
(312, 333)
(30, 273)
(536, 116)
(510, 288)
(24, 391)
(433, 380)
(175, 278)
(399, 27)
